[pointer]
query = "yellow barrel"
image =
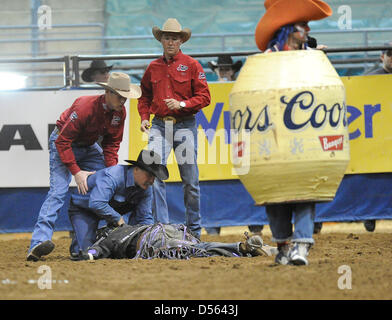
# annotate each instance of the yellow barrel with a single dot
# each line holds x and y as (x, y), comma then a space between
(292, 105)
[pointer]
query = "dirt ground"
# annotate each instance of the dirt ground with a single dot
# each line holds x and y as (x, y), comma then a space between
(340, 249)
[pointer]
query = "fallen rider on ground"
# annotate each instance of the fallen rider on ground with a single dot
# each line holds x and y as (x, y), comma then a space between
(167, 241)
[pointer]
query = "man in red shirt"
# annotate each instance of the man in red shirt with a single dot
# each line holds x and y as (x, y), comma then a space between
(174, 89)
(74, 151)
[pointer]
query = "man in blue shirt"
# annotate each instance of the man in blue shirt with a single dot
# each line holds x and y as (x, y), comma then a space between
(116, 191)
(113, 192)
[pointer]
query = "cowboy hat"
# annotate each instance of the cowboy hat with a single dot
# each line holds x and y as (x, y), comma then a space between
(150, 161)
(94, 66)
(121, 83)
(225, 61)
(282, 12)
(172, 25)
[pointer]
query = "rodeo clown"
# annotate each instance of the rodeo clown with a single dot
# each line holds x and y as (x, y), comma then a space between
(284, 26)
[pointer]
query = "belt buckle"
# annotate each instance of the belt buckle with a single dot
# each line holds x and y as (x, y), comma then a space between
(170, 118)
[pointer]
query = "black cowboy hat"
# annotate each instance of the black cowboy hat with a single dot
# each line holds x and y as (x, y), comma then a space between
(225, 61)
(94, 66)
(150, 161)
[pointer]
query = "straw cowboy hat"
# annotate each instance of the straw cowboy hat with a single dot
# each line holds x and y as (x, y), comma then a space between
(282, 12)
(121, 83)
(151, 162)
(94, 66)
(225, 61)
(172, 25)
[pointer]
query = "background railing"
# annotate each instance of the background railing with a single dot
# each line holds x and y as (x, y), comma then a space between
(135, 64)
(132, 53)
(95, 32)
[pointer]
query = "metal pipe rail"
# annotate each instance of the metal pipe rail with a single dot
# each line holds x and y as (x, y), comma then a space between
(31, 26)
(74, 60)
(222, 37)
(65, 60)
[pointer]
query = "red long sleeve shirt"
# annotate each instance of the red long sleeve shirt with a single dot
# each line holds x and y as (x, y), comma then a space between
(181, 78)
(88, 119)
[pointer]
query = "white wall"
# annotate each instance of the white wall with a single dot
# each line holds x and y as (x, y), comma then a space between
(30, 168)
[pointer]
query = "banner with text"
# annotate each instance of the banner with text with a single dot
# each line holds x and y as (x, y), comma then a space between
(27, 119)
(369, 114)
(26, 122)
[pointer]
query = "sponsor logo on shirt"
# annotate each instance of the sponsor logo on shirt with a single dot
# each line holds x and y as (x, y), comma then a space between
(202, 76)
(181, 67)
(329, 143)
(115, 121)
(73, 116)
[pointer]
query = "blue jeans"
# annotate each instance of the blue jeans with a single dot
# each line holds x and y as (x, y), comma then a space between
(182, 137)
(85, 224)
(280, 217)
(232, 249)
(88, 158)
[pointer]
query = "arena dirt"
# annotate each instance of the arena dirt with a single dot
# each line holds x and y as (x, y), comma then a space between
(368, 256)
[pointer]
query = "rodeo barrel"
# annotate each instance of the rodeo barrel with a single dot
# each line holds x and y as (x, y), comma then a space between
(289, 107)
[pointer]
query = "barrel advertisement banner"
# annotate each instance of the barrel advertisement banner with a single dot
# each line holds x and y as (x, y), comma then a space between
(298, 147)
(28, 118)
(369, 114)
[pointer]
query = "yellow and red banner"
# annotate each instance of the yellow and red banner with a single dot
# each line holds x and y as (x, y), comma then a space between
(369, 117)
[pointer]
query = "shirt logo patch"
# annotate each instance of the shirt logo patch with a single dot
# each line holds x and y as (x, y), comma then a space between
(181, 67)
(115, 121)
(73, 116)
(202, 76)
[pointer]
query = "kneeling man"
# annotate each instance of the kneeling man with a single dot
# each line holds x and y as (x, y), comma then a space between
(113, 192)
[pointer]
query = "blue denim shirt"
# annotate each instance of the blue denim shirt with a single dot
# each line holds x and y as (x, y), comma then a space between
(111, 183)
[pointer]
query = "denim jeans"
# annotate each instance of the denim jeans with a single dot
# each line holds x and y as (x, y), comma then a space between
(182, 137)
(85, 224)
(88, 158)
(280, 217)
(227, 249)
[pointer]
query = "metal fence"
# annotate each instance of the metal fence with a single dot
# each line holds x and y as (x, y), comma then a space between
(71, 64)
(75, 34)
(33, 37)
(71, 46)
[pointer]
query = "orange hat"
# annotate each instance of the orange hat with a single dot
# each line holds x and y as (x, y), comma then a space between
(282, 12)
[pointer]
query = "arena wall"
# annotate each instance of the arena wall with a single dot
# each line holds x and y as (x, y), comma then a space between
(30, 116)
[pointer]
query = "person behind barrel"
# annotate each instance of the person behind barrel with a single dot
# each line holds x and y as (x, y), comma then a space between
(174, 89)
(97, 72)
(386, 68)
(284, 27)
(386, 60)
(226, 70)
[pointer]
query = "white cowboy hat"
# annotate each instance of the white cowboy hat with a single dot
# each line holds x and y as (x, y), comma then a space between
(121, 83)
(172, 25)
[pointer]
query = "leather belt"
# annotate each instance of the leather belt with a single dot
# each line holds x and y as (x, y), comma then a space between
(175, 119)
